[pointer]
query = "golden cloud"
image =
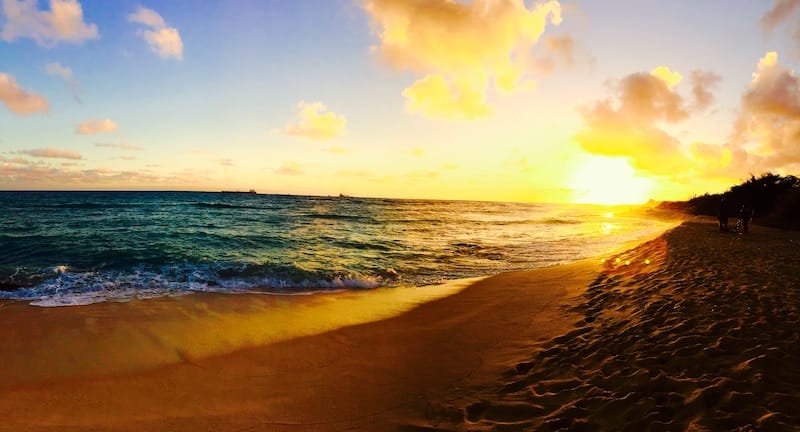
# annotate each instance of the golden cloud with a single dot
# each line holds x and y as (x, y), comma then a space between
(670, 78)
(93, 127)
(627, 124)
(316, 122)
(18, 100)
(62, 23)
(459, 48)
(763, 138)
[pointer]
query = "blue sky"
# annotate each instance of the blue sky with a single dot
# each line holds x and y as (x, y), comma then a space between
(489, 99)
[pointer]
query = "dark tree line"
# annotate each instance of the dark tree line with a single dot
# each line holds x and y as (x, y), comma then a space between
(775, 200)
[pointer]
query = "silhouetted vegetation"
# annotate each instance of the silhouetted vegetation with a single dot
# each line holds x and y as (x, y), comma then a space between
(775, 200)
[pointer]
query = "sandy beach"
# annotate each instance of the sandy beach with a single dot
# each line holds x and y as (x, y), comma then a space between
(693, 330)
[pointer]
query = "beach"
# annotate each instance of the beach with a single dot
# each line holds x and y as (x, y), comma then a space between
(693, 330)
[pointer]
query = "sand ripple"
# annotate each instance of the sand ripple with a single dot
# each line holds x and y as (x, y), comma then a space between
(697, 330)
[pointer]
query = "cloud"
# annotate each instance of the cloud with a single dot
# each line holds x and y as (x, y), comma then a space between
(460, 49)
(18, 100)
(38, 175)
(434, 96)
(627, 124)
(62, 23)
(316, 122)
(226, 162)
(161, 38)
(147, 17)
(769, 121)
(289, 168)
(784, 11)
(120, 146)
(563, 47)
(94, 126)
(670, 78)
(702, 81)
(56, 69)
(52, 153)
(763, 137)
(780, 12)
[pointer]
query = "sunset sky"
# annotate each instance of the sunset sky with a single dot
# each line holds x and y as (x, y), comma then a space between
(570, 101)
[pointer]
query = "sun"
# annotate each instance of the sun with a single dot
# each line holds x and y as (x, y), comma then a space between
(609, 181)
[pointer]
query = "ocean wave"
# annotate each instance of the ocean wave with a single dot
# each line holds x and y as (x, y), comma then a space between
(65, 287)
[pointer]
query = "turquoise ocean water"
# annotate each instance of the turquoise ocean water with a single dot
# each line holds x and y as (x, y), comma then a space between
(71, 248)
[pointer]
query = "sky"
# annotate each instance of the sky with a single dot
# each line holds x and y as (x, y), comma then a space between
(618, 101)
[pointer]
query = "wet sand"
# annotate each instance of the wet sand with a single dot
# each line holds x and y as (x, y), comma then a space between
(695, 330)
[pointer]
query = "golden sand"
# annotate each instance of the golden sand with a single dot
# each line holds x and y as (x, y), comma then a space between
(695, 330)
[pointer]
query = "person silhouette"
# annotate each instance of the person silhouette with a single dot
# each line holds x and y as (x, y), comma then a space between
(723, 215)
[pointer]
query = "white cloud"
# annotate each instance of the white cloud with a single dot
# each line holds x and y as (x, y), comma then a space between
(147, 17)
(161, 38)
(18, 100)
(93, 127)
(62, 23)
(316, 122)
(59, 70)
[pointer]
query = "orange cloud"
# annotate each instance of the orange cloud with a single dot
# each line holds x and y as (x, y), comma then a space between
(52, 153)
(18, 100)
(316, 122)
(486, 41)
(563, 47)
(62, 23)
(93, 127)
(161, 38)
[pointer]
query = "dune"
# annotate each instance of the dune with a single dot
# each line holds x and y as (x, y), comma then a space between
(693, 330)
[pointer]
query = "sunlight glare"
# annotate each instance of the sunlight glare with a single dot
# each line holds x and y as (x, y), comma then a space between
(610, 181)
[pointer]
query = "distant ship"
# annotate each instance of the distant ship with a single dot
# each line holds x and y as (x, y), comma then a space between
(251, 192)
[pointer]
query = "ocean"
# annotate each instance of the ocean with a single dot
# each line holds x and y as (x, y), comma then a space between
(75, 248)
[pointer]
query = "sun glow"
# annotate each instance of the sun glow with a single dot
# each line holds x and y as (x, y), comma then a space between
(611, 181)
